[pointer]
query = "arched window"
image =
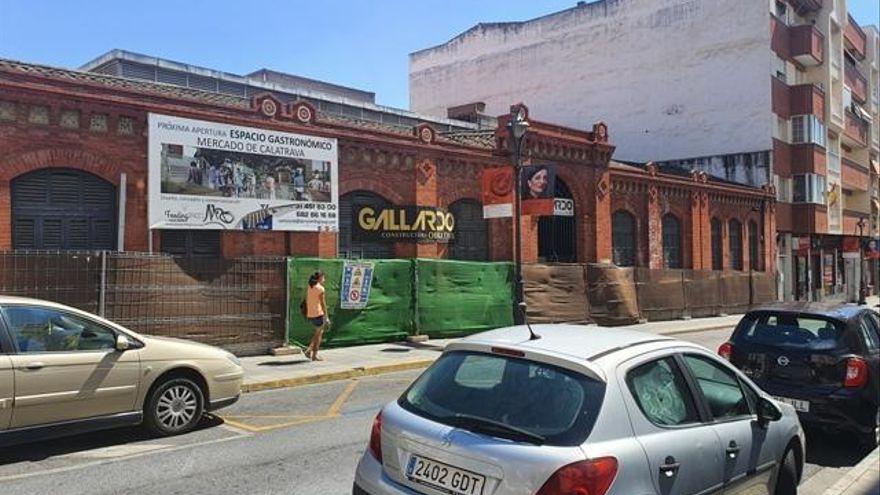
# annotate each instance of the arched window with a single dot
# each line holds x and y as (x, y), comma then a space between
(671, 241)
(471, 241)
(557, 235)
(717, 245)
(734, 235)
(754, 252)
(349, 245)
(61, 208)
(623, 238)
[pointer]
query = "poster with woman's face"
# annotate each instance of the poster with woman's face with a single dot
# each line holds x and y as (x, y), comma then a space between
(538, 182)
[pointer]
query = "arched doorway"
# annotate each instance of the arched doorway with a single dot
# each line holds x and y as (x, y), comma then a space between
(63, 209)
(352, 247)
(557, 235)
(471, 240)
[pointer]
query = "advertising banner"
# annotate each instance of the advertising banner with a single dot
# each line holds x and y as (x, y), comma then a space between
(357, 278)
(213, 176)
(403, 223)
(872, 249)
(498, 192)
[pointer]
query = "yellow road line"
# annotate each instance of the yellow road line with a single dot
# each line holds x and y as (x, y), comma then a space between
(337, 405)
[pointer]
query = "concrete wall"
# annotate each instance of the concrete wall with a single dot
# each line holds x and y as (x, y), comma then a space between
(672, 78)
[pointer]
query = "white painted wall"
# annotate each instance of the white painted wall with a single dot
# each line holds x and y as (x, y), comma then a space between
(672, 78)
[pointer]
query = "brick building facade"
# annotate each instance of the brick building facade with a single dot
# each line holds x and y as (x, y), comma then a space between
(58, 119)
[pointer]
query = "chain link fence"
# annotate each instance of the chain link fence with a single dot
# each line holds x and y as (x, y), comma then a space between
(237, 304)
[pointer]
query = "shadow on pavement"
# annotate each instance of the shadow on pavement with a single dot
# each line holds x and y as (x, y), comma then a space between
(284, 363)
(40, 451)
(833, 449)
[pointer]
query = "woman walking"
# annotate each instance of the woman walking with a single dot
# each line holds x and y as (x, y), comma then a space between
(316, 312)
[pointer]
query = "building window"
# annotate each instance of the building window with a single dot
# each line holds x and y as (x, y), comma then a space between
(734, 234)
(191, 243)
(807, 129)
(557, 235)
(471, 241)
(671, 241)
(7, 110)
(125, 126)
(780, 69)
(783, 188)
(717, 247)
(808, 188)
(754, 252)
(39, 114)
(98, 123)
(781, 12)
(69, 119)
(623, 238)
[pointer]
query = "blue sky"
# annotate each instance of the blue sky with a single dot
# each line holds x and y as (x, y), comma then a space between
(359, 43)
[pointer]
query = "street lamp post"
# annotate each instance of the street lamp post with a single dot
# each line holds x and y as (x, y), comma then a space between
(862, 294)
(517, 129)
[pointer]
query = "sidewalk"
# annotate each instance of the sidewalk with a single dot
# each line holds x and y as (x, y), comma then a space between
(863, 479)
(267, 372)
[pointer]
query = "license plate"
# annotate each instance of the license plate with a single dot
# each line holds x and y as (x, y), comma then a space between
(799, 405)
(443, 477)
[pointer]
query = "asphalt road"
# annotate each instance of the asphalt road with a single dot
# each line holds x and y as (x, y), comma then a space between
(294, 441)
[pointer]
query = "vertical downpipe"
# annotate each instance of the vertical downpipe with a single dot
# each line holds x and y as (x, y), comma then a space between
(102, 295)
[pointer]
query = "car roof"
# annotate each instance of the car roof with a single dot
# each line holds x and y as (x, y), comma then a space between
(838, 311)
(587, 342)
(28, 301)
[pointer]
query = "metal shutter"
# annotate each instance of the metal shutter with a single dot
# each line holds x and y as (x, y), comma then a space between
(471, 240)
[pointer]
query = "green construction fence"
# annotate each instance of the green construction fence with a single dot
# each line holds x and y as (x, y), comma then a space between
(438, 298)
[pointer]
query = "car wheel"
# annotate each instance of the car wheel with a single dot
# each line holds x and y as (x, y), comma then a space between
(786, 482)
(174, 407)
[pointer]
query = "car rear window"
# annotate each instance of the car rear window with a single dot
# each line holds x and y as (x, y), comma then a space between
(811, 332)
(554, 404)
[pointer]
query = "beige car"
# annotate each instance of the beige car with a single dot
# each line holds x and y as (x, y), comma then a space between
(64, 371)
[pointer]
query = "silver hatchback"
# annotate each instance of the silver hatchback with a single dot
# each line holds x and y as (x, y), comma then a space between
(581, 410)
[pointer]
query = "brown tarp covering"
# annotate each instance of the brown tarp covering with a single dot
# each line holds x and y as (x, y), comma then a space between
(763, 288)
(556, 293)
(735, 292)
(612, 295)
(660, 293)
(702, 290)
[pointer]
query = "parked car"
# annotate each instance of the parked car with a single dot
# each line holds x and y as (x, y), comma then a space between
(64, 371)
(822, 359)
(581, 409)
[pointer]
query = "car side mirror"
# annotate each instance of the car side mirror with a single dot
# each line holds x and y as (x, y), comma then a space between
(122, 343)
(767, 412)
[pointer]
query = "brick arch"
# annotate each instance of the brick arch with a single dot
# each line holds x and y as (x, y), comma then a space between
(16, 165)
(375, 186)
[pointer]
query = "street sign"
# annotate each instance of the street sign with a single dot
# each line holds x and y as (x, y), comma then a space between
(357, 279)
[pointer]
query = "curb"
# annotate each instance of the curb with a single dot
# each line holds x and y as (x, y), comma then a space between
(300, 381)
(853, 475)
(380, 369)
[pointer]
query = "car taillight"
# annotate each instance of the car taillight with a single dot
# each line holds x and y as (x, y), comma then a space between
(856, 373)
(725, 350)
(376, 438)
(592, 477)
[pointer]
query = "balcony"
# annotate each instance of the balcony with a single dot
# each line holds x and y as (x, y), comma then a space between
(809, 219)
(806, 44)
(803, 99)
(854, 38)
(856, 82)
(808, 158)
(854, 176)
(806, 6)
(856, 130)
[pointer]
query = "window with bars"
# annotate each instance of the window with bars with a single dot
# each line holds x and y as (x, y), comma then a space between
(623, 238)
(807, 129)
(671, 241)
(734, 235)
(191, 243)
(754, 252)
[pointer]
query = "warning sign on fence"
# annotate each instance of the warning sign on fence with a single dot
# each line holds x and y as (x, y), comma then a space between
(357, 278)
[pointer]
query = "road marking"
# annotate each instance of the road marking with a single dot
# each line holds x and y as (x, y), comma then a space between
(337, 405)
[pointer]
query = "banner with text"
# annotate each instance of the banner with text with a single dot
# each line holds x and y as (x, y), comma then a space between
(213, 176)
(404, 223)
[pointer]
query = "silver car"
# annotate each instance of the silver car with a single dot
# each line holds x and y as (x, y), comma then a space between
(581, 410)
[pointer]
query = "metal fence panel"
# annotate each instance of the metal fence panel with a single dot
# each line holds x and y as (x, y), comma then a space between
(71, 278)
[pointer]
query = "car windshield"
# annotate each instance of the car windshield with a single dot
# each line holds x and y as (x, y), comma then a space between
(791, 330)
(507, 397)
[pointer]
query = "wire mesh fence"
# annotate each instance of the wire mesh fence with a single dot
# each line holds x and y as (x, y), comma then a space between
(237, 304)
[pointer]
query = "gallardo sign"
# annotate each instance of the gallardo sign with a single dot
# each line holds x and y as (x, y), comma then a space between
(404, 223)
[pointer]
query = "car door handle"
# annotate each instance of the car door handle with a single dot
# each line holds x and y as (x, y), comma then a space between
(732, 450)
(36, 365)
(670, 468)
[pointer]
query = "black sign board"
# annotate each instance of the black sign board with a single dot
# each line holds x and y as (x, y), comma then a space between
(403, 224)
